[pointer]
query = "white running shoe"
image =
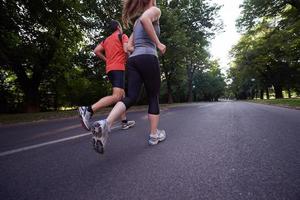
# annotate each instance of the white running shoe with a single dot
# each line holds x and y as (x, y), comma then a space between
(128, 125)
(85, 117)
(100, 135)
(158, 137)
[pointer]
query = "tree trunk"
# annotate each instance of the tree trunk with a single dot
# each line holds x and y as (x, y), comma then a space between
(261, 94)
(32, 103)
(168, 77)
(294, 3)
(30, 87)
(278, 92)
(289, 93)
(3, 102)
(190, 74)
(170, 97)
(252, 94)
(190, 92)
(267, 93)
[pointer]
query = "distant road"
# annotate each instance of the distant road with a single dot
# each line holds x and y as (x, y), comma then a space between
(224, 150)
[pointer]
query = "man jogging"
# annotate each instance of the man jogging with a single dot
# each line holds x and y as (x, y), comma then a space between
(113, 51)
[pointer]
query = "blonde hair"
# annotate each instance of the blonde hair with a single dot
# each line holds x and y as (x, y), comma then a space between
(133, 9)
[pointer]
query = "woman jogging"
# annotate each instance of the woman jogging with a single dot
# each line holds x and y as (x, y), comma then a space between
(143, 68)
(115, 48)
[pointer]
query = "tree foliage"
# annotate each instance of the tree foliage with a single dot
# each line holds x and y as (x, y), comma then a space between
(267, 56)
(38, 39)
(188, 26)
(46, 59)
(253, 11)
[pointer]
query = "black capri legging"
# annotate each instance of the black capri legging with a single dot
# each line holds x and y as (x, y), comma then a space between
(143, 69)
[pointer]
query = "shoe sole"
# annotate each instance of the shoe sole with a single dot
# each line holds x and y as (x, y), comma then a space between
(98, 145)
(152, 144)
(82, 122)
(97, 134)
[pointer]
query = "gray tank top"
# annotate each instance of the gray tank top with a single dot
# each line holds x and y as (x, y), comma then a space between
(142, 42)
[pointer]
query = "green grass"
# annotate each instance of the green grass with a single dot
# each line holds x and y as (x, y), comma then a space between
(30, 117)
(41, 116)
(292, 103)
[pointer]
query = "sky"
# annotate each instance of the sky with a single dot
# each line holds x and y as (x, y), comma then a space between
(223, 42)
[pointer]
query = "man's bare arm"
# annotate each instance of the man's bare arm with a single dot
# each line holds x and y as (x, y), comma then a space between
(99, 50)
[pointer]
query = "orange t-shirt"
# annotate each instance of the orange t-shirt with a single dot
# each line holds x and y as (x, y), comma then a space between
(114, 53)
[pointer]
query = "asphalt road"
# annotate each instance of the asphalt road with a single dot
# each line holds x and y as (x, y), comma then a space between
(225, 150)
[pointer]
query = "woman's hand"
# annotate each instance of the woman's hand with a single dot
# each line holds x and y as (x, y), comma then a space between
(161, 47)
(130, 45)
(130, 49)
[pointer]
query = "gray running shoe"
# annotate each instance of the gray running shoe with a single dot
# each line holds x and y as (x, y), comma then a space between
(100, 135)
(158, 137)
(128, 125)
(85, 117)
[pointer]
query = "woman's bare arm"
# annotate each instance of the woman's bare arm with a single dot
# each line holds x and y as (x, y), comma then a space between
(149, 16)
(130, 45)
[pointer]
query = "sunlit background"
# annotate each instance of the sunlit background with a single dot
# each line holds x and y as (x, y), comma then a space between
(223, 42)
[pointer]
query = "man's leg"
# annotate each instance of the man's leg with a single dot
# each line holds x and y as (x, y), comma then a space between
(116, 96)
(86, 112)
(126, 124)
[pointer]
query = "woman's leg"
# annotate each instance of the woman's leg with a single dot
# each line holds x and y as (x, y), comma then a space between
(115, 113)
(154, 120)
(134, 86)
(123, 116)
(150, 71)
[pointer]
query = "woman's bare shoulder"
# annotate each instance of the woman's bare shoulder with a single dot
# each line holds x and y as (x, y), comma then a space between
(152, 12)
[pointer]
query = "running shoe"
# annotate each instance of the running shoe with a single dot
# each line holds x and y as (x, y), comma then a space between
(100, 135)
(128, 124)
(85, 117)
(158, 137)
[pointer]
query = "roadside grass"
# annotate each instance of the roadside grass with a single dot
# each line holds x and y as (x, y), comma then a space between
(42, 116)
(30, 117)
(290, 103)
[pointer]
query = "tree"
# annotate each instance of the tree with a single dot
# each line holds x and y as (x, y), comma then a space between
(200, 25)
(266, 54)
(254, 10)
(173, 36)
(187, 27)
(38, 38)
(209, 85)
(270, 30)
(46, 58)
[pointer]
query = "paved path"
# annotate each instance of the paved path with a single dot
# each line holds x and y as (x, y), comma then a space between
(225, 150)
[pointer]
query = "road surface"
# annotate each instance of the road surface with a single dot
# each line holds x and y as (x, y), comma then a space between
(224, 150)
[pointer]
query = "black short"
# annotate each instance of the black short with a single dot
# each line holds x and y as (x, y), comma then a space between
(117, 78)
